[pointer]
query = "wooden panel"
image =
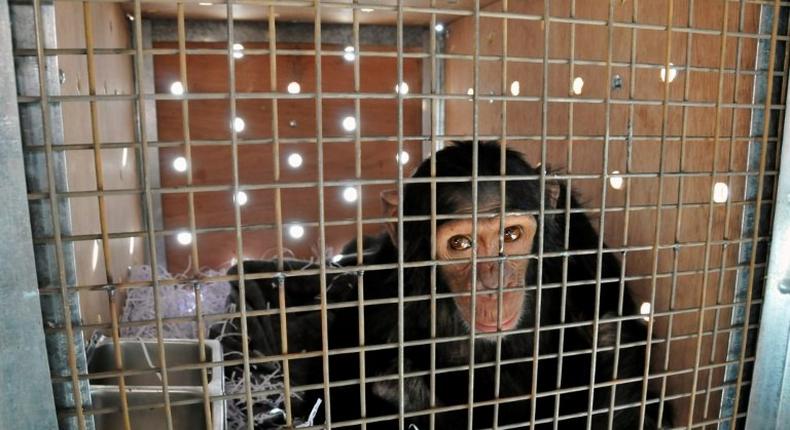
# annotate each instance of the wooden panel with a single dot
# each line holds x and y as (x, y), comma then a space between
(113, 76)
(210, 119)
(571, 148)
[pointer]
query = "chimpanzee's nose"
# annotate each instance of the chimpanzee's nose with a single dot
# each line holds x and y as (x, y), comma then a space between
(488, 275)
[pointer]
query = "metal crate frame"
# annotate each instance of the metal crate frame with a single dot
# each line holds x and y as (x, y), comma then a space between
(771, 379)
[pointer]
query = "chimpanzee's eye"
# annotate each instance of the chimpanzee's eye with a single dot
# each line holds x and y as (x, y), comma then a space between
(460, 242)
(513, 233)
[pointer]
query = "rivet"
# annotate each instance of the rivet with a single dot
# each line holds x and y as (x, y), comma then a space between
(617, 82)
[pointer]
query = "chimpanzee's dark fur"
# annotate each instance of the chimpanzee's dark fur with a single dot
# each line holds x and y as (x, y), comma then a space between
(451, 382)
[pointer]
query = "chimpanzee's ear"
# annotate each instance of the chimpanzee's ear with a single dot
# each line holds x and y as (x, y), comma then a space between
(389, 205)
(553, 190)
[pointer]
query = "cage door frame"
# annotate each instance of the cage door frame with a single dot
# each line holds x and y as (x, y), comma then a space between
(26, 395)
(769, 399)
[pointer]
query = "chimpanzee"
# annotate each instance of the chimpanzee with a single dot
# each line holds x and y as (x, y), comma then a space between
(510, 306)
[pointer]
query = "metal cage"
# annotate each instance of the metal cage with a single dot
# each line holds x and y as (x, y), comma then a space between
(148, 146)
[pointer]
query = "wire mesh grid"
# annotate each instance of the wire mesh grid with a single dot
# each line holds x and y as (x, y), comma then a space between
(663, 116)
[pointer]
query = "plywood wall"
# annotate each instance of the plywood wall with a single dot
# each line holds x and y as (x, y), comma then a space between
(209, 120)
(116, 124)
(577, 123)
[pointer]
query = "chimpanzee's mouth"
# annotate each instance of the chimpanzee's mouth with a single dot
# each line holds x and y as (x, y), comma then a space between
(512, 303)
(507, 324)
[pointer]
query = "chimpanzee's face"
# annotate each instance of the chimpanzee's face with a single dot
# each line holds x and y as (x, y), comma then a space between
(454, 241)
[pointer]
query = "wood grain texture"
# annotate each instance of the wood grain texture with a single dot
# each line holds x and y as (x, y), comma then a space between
(210, 120)
(124, 214)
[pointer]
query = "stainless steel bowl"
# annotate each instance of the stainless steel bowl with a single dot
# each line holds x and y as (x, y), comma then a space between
(145, 395)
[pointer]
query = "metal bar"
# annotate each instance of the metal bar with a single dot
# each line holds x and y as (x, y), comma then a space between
(679, 213)
(345, 222)
(149, 208)
(45, 290)
(544, 126)
(601, 220)
(359, 215)
(319, 131)
(659, 213)
(709, 228)
(373, 53)
(401, 243)
(26, 393)
(475, 207)
(237, 217)
(185, 130)
(40, 197)
(356, 32)
(195, 258)
(724, 412)
(378, 96)
(341, 305)
(112, 301)
(338, 140)
(660, 275)
(278, 216)
(627, 215)
(481, 365)
(201, 334)
(99, 176)
(450, 11)
(567, 217)
(383, 53)
(437, 127)
(337, 183)
(502, 206)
